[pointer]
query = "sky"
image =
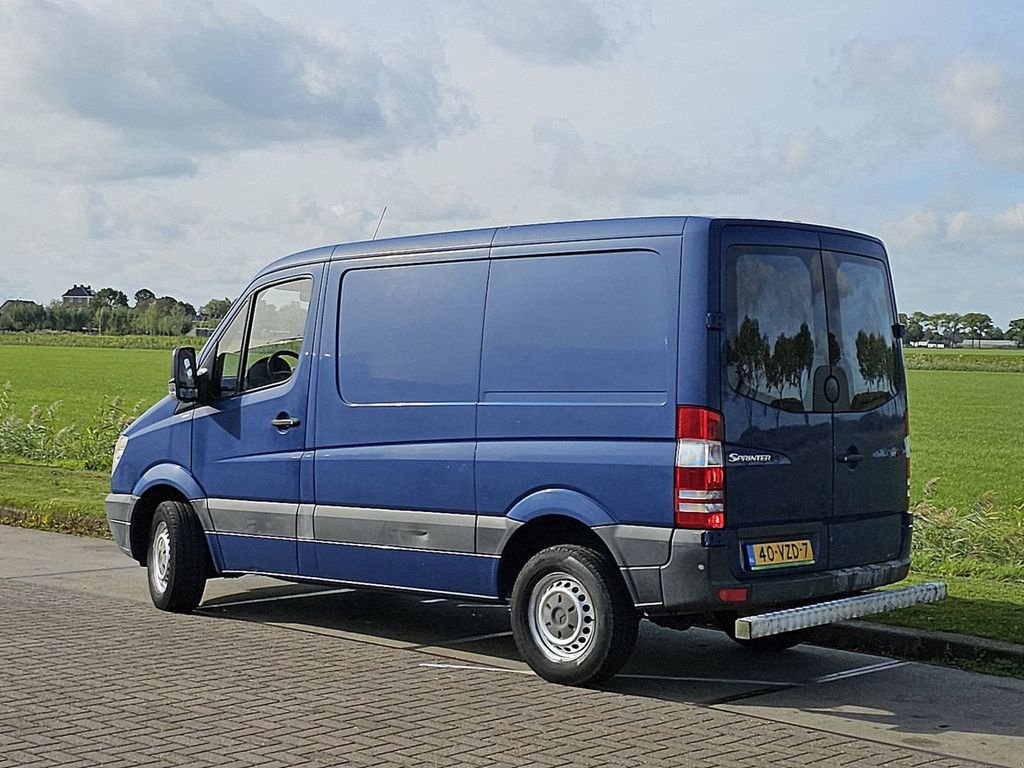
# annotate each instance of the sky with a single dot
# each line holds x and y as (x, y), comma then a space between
(182, 145)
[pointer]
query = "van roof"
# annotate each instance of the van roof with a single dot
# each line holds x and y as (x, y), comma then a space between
(521, 234)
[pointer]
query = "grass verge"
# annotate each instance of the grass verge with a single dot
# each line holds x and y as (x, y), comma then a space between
(60, 339)
(975, 607)
(53, 498)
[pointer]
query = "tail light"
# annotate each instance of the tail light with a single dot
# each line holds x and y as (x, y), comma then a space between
(700, 471)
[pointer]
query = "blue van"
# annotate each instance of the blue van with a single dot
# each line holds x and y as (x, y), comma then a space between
(674, 418)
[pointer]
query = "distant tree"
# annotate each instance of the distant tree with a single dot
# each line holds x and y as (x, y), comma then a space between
(915, 326)
(113, 321)
(1015, 331)
(215, 309)
(977, 325)
(23, 316)
(164, 316)
(948, 326)
(68, 317)
(108, 297)
(144, 296)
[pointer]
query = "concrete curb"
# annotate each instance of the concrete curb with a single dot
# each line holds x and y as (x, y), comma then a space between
(917, 644)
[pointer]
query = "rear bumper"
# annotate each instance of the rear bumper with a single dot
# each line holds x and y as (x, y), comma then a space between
(819, 614)
(119, 508)
(690, 581)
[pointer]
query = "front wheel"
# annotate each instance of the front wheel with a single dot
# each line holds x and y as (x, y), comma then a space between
(572, 618)
(178, 558)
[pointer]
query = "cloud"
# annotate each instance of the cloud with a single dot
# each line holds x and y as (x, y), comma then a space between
(984, 100)
(167, 83)
(923, 103)
(930, 227)
(88, 212)
(560, 33)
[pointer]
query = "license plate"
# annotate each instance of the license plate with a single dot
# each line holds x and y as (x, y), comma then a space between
(777, 554)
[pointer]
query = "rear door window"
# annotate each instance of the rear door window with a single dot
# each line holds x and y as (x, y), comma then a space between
(861, 319)
(776, 326)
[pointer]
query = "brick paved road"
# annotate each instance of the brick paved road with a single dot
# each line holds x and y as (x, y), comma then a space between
(92, 681)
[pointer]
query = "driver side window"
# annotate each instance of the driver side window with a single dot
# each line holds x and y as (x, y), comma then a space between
(270, 352)
(273, 351)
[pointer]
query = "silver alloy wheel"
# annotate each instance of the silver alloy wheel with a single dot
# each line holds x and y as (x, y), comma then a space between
(562, 617)
(160, 557)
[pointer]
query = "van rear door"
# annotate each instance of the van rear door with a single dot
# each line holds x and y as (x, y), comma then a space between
(813, 395)
(778, 425)
(870, 410)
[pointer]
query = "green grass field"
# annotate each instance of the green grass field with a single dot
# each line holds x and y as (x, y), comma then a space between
(82, 378)
(967, 434)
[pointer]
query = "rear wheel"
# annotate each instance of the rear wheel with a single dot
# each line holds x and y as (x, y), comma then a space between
(178, 559)
(572, 618)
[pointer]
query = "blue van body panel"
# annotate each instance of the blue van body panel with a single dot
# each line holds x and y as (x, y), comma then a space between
(630, 482)
(160, 437)
(396, 391)
(300, 259)
(563, 502)
(695, 384)
(590, 231)
(173, 475)
(420, 570)
(255, 554)
(442, 242)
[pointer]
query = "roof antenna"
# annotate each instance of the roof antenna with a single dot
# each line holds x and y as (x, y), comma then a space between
(381, 219)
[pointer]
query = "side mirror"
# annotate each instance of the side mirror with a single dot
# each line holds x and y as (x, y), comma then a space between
(184, 383)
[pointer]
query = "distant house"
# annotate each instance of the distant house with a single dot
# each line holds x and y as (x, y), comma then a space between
(79, 295)
(11, 303)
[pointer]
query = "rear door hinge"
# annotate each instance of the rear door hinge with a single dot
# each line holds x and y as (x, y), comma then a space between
(714, 321)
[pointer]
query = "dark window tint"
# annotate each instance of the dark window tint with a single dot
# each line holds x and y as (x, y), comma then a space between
(595, 323)
(411, 334)
(861, 318)
(776, 335)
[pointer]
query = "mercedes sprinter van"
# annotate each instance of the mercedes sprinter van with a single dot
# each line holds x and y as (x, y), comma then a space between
(593, 422)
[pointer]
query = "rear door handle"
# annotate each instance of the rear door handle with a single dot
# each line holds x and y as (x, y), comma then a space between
(284, 421)
(849, 458)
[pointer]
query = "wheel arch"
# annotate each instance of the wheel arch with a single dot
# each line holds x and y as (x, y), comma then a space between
(541, 532)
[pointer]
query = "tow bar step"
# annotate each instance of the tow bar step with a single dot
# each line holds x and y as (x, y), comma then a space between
(818, 614)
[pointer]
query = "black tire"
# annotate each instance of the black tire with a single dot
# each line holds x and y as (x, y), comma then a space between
(591, 589)
(178, 559)
(770, 644)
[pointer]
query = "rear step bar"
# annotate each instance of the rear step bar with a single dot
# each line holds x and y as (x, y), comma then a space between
(818, 614)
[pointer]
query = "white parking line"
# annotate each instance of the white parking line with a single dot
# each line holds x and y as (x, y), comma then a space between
(279, 597)
(735, 680)
(870, 669)
(475, 668)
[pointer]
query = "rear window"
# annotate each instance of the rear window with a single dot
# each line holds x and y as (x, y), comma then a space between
(796, 316)
(861, 322)
(776, 328)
